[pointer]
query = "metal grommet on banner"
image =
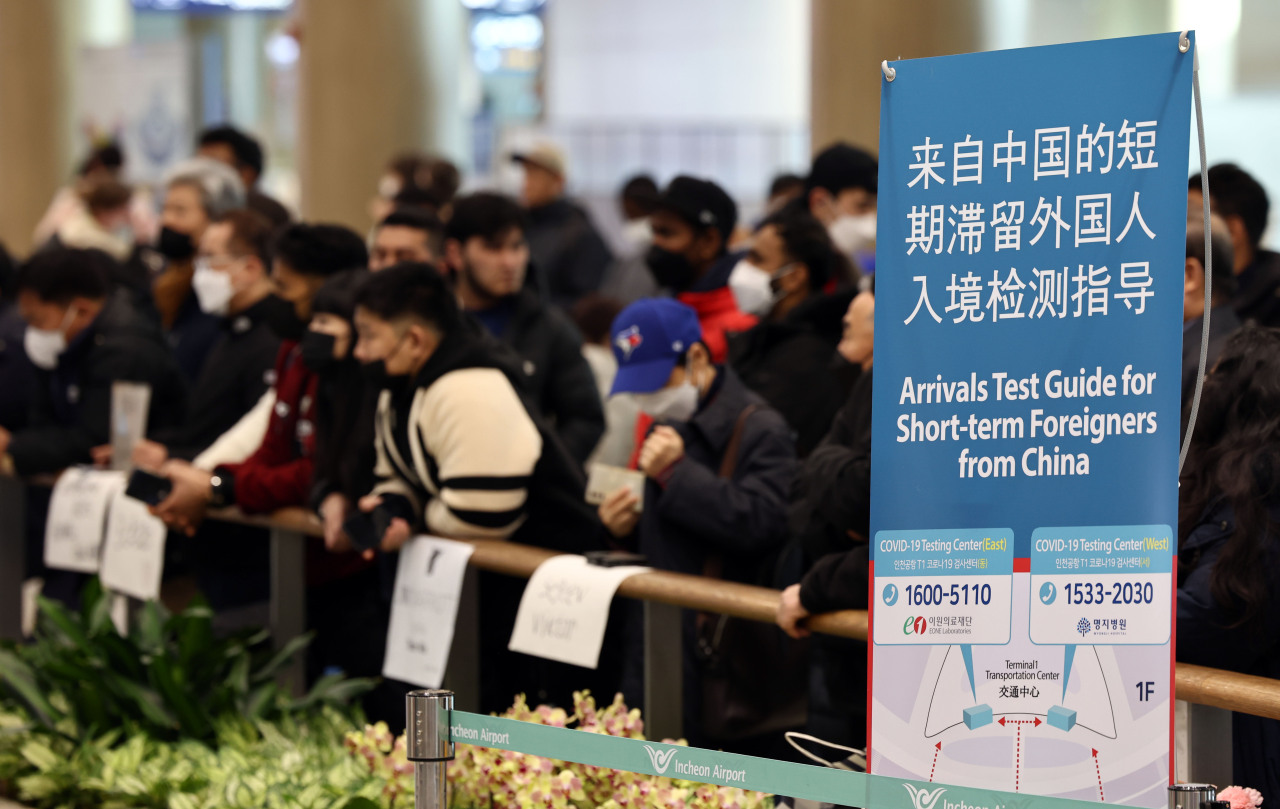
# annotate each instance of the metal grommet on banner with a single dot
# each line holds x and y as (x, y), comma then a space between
(1184, 42)
(889, 73)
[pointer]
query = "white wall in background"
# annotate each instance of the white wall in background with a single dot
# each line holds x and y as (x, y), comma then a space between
(704, 61)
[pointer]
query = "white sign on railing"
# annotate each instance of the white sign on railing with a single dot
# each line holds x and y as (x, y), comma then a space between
(424, 609)
(77, 516)
(133, 551)
(565, 608)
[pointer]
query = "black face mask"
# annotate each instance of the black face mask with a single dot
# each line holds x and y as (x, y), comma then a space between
(317, 350)
(283, 320)
(375, 373)
(175, 246)
(669, 269)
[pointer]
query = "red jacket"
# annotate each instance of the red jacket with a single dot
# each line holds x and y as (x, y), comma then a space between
(278, 474)
(719, 316)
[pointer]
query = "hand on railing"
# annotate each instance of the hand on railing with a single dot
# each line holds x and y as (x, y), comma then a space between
(333, 513)
(184, 508)
(791, 612)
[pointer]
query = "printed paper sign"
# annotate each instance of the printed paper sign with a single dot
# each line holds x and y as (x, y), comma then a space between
(424, 609)
(129, 407)
(133, 551)
(1030, 249)
(565, 608)
(77, 518)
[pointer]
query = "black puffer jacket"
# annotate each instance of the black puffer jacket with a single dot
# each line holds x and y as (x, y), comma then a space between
(568, 252)
(793, 364)
(555, 374)
(71, 405)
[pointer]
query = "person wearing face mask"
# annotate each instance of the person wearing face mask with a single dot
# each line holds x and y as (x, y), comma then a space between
(344, 413)
(718, 464)
(230, 281)
(82, 336)
(692, 223)
(628, 278)
(830, 517)
(348, 597)
(485, 247)
(841, 194)
(278, 472)
(460, 454)
(197, 191)
(790, 357)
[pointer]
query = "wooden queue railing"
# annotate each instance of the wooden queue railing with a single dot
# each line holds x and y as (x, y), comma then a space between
(1259, 696)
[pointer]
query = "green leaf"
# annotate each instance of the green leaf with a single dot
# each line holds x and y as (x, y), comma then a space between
(148, 629)
(293, 647)
(58, 622)
(261, 700)
(192, 718)
(40, 756)
(21, 680)
(360, 803)
(335, 689)
(98, 614)
(148, 702)
(37, 788)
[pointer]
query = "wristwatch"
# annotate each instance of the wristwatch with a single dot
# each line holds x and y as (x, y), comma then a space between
(222, 489)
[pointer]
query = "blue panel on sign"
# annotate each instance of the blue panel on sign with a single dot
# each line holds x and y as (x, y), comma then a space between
(1062, 718)
(977, 716)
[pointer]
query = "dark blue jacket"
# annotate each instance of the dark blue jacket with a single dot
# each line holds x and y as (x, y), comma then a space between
(697, 512)
(1206, 637)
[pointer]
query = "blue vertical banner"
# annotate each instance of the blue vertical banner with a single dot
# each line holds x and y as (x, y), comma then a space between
(1030, 252)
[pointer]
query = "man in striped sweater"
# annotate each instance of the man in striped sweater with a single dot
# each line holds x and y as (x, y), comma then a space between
(460, 454)
(455, 445)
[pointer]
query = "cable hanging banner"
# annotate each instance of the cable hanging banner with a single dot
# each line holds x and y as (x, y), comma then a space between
(1030, 258)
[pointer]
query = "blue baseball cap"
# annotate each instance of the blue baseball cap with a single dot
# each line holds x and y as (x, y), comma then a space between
(648, 337)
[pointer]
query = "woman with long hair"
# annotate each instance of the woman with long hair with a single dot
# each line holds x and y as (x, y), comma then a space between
(1229, 537)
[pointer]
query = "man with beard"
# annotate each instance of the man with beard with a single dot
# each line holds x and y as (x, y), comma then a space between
(486, 248)
(692, 223)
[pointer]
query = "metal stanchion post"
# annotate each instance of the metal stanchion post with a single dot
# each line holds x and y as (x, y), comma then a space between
(288, 608)
(429, 746)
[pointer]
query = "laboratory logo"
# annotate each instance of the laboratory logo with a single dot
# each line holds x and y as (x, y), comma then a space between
(915, 626)
(1083, 627)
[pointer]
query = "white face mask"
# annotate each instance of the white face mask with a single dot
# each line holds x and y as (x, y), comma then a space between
(213, 288)
(854, 234)
(44, 346)
(637, 233)
(670, 404)
(750, 287)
